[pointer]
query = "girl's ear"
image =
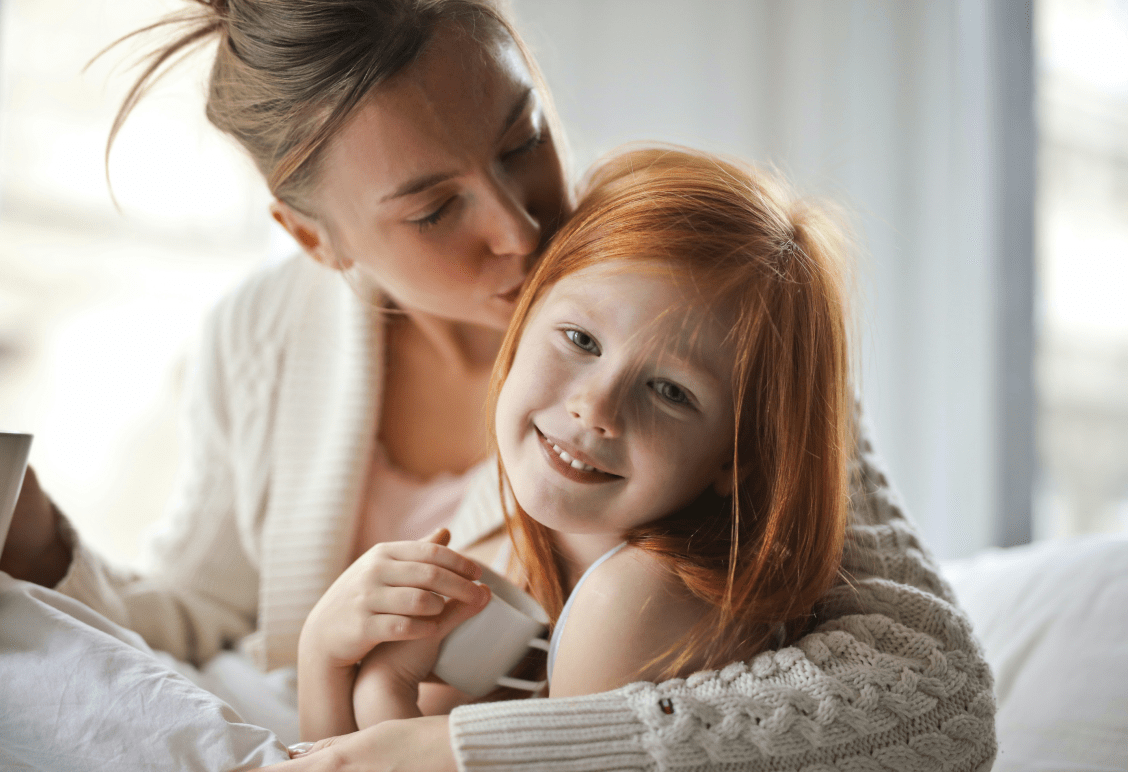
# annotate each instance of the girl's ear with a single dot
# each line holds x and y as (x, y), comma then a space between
(310, 234)
(723, 483)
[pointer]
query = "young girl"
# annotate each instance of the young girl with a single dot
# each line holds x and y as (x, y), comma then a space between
(671, 413)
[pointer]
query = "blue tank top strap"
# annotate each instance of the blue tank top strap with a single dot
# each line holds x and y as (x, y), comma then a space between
(559, 628)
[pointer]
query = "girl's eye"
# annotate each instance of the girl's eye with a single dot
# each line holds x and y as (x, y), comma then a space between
(583, 341)
(433, 218)
(671, 392)
(532, 143)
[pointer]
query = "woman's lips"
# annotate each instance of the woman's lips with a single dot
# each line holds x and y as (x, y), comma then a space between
(586, 473)
(510, 296)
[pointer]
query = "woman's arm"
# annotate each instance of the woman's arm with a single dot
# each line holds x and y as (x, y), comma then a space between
(199, 589)
(891, 679)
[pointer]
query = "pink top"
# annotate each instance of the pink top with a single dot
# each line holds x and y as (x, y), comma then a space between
(398, 505)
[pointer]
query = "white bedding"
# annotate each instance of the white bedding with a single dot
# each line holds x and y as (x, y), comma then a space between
(1053, 621)
(80, 693)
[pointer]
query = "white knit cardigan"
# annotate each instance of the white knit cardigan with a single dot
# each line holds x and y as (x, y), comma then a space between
(282, 407)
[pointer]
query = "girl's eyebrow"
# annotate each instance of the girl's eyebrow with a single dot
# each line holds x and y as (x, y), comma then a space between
(421, 183)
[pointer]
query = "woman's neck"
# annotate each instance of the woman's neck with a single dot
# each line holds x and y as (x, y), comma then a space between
(463, 348)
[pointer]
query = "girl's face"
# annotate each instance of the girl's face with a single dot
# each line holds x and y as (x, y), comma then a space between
(446, 184)
(618, 407)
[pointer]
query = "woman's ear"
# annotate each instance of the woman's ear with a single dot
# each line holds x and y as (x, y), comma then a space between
(310, 234)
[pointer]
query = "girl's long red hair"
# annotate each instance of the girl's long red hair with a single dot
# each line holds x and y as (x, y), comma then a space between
(762, 557)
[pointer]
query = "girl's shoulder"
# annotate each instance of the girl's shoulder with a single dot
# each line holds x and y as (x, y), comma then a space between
(625, 618)
(631, 570)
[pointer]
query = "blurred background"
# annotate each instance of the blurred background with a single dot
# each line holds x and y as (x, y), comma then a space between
(980, 147)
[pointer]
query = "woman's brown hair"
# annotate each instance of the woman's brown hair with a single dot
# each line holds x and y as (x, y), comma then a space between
(762, 557)
(288, 74)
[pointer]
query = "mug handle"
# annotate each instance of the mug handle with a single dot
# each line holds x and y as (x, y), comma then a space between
(521, 683)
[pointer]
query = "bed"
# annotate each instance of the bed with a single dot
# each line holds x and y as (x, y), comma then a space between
(1053, 621)
(1052, 618)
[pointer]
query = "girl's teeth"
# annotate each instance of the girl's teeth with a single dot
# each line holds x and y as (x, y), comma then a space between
(572, 462)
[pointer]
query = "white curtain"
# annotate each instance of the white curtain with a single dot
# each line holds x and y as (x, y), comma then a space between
(916, 115)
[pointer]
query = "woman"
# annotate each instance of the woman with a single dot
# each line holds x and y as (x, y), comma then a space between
(337, 404)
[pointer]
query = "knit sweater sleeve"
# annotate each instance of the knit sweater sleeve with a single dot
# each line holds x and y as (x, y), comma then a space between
(892, 679)
(196, 590)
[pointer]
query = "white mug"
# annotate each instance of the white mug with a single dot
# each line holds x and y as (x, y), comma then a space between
(13, 463)
(476, 656)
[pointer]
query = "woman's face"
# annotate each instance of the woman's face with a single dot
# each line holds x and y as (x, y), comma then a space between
(446, 184)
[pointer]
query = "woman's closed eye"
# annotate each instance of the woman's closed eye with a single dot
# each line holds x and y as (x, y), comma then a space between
(432, 219)
(538, 138)
(583, 341)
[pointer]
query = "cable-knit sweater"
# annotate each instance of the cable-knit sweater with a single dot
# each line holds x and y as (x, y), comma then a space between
(282, 407)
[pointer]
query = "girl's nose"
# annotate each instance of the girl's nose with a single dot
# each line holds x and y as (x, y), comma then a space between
(596, 405)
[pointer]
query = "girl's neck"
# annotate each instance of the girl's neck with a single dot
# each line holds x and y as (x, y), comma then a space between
(579, 550)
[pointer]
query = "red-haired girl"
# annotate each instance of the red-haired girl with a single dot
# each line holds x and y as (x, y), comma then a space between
(672, 416)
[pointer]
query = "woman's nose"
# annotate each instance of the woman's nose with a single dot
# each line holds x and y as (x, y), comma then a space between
(513, 230)
(596, 404)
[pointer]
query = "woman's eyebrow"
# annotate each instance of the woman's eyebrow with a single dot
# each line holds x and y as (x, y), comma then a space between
(419, 184)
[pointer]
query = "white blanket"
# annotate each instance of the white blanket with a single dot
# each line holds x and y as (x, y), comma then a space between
(78, 692)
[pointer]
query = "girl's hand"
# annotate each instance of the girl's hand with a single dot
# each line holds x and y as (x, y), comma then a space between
(35, 550)
(387, 682)
(416, 744)
(393, 592)
(390, 593)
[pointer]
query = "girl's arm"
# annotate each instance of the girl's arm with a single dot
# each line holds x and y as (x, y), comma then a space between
(625, 618)
(387, 608)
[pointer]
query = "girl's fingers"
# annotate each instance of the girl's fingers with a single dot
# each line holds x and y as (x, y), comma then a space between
(457, 612)
(428, 552)
(401, 627)
(440, 536)
(427, 576)
(409, 601)
(381, 628)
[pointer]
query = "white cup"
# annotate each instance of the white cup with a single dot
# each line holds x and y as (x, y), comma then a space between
(478, 655)
(13, 462)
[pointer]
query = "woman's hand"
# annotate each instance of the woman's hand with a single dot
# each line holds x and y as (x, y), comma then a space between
(414, 744)
(35, 550)
(391, 593)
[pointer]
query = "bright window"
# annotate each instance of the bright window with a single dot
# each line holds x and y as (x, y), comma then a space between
(1082, 357)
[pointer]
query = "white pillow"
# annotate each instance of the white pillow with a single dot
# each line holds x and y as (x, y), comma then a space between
(81, 693)
(1053, 621)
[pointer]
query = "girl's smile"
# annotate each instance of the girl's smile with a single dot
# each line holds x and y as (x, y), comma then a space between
(573, 465)
(617, 409)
